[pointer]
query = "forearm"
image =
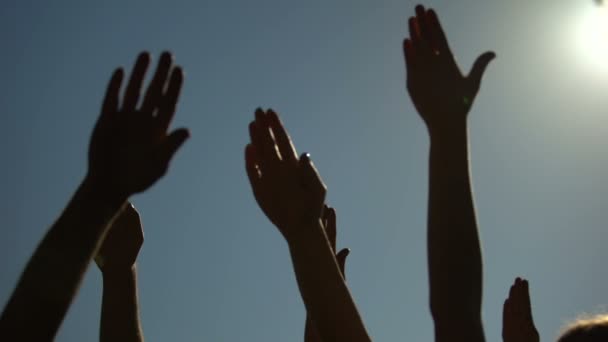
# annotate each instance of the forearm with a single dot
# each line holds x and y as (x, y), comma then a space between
(455, 263)
(323, 289)
(310, 331)
(53, 274)
(120, 309)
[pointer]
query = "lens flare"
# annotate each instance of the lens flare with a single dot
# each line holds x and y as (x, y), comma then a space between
(593, 37)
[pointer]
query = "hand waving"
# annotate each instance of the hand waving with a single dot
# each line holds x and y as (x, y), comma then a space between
(441, 93)
(131, 148)
(122, 243)
(517, 322)
(289, 191)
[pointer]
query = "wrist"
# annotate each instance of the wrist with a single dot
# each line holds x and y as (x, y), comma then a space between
(111, 273)
(306, 235)
(101, 191)
(455, 133)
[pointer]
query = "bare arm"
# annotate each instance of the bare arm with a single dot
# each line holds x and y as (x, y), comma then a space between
(120, 309)
(454, 253)
(443, 97)
(53, 274)
(291, 194)
(329, 225)
(129, 151)
(116, 260)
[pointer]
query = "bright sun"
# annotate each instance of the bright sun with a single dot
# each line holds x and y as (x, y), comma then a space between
(593, 37)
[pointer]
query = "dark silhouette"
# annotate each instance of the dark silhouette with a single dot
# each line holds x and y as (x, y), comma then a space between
(594, 329)
(517, 322)
(116, 261)
(129, 151)
(291, 194)
(443, 96)
(329, 225)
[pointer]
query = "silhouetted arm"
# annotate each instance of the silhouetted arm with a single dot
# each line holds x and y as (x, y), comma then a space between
(291, 194)
(517, 321)
(120, 309)
(454, 253)
(329, 225)
(116, 260)
(53, 274)
(443, 97)
(129, 151)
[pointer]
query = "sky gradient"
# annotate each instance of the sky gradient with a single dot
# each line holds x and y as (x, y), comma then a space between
(212, 267)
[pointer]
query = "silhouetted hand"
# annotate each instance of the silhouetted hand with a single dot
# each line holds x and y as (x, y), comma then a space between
(329, 225)
(131, 148)
(517, 322)
(122, 243)
(288, 190)
(441, 93)
(291, 194)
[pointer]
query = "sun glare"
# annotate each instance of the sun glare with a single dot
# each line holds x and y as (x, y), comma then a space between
(593, 37)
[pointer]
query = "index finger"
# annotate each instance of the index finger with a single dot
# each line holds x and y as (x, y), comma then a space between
(286, 148)
(439, 40)
(110, 101)
(330, 229)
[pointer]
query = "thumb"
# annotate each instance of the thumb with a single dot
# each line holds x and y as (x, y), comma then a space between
(479, 67)
(173, 143)
(341, 258)
(310, 179)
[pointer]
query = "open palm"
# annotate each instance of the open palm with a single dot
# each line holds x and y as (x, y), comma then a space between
(130, 147)
(440, 92)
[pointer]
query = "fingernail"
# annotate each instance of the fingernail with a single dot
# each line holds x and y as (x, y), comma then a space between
(166, 55)
(259, 113)
(144, 56)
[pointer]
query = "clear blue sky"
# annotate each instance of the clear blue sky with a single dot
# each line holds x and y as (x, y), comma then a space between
(212, 267)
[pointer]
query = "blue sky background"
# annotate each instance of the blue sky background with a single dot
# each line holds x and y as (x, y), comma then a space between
(212, 267)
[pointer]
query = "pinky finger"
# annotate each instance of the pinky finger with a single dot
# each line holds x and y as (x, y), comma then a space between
(251, 165)
(408, 53)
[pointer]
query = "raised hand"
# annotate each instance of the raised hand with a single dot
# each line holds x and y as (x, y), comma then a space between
(116, 260)
(517, 322)
(131, 147)
(443, 97)
(329, 225)
(289, 191)
(121, 245)
(441, 93)
(291, 194)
